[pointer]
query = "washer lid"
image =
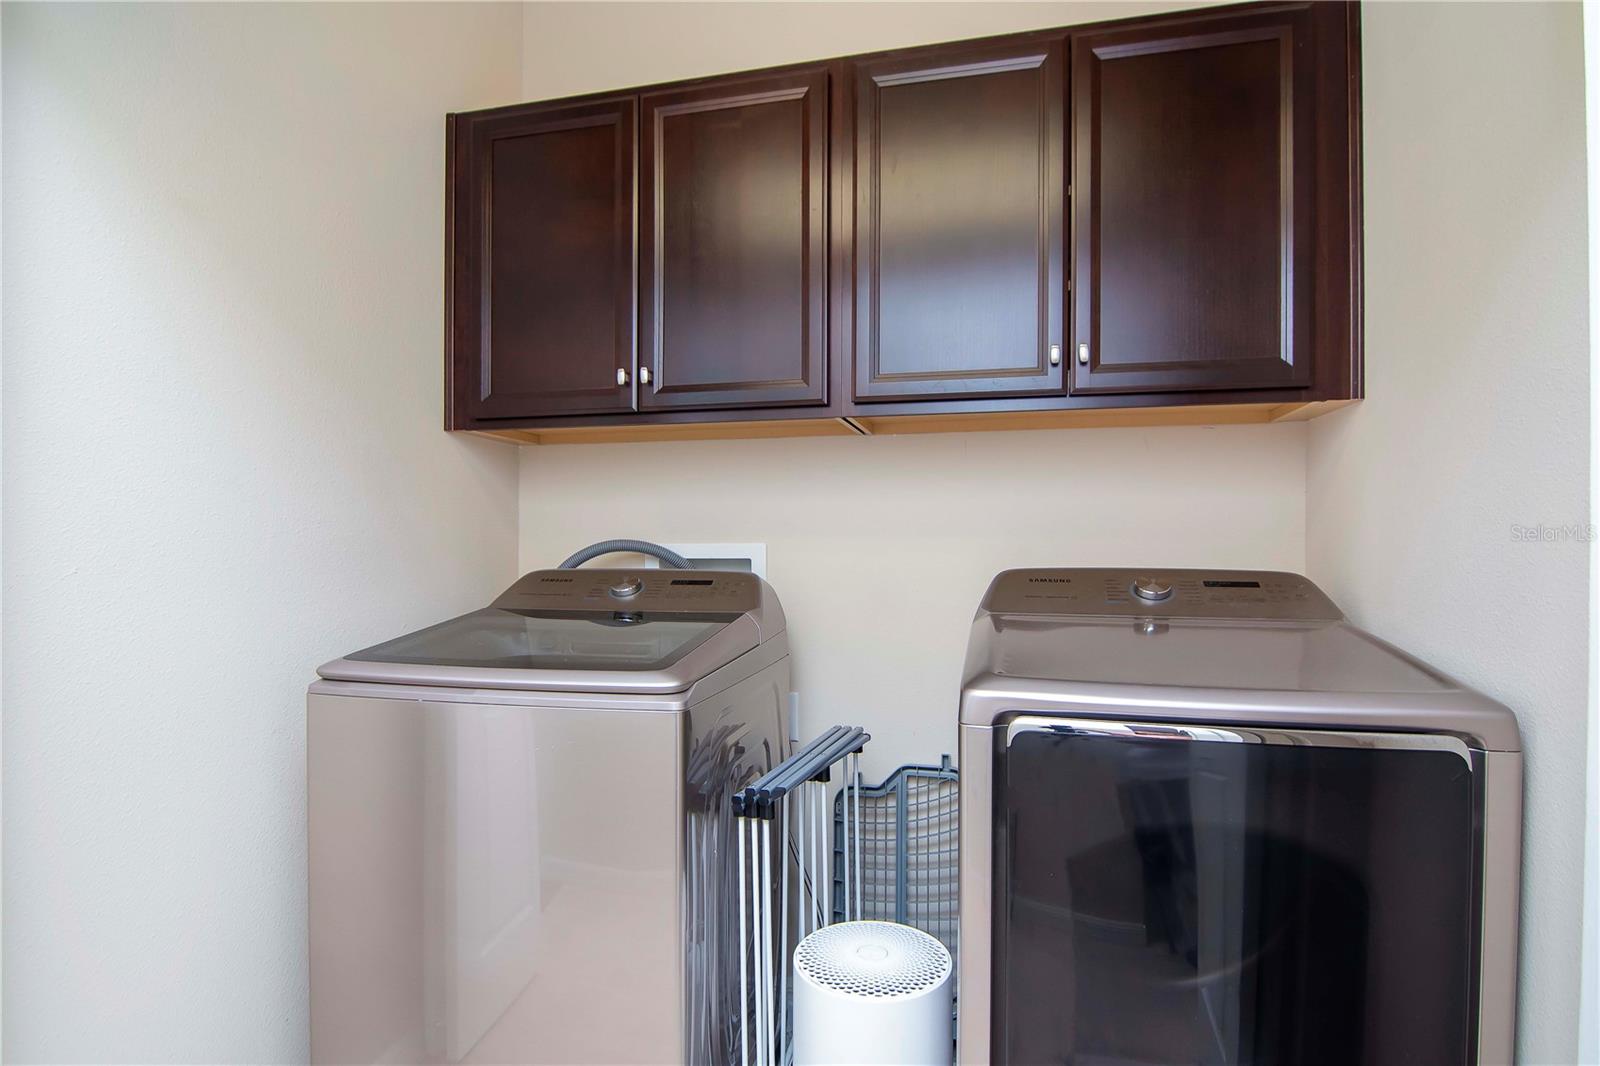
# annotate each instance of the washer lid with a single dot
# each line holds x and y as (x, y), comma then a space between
(626, 631)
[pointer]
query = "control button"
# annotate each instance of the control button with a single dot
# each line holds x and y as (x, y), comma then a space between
(1151, 590)
(628, 586)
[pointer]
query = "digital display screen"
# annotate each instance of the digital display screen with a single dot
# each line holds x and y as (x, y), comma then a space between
(1231, 584)
(693, 581)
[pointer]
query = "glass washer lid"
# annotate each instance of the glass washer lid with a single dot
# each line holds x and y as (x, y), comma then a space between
(499, 639)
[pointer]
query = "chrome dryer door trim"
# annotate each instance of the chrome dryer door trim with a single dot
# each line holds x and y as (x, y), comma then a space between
(1231, 733)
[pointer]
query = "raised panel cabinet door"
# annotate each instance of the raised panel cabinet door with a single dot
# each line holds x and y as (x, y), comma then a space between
(958, 235)
(543, 260)
(733, 236)
(1193, 163)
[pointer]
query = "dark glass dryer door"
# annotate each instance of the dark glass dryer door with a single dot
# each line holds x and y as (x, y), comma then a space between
(1226, 895)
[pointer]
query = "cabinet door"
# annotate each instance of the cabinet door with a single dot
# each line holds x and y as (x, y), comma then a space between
(958, 231)
(543, 261)
(1192, 204)
(733, 227)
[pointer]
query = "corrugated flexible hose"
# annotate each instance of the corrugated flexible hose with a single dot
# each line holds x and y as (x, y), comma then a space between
(667, 556)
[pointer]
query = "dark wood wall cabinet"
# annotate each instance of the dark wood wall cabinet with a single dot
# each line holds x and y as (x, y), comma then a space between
(1153, 220)
(959, 236)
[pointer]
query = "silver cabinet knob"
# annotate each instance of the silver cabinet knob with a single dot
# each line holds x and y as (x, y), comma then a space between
(622, 375)
(1083, 354)
(1055, 355)
(644, 375)
(627, 587)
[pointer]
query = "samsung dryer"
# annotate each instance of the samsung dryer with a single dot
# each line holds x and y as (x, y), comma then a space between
(1205, 819)
(520, 821)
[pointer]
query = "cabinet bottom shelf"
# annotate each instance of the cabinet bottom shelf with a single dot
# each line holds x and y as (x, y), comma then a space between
(869, 425)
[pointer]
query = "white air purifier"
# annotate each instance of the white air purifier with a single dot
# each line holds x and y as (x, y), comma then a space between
(872, 994)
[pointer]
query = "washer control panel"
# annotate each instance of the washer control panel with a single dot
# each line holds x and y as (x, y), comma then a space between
(1153, 593)
(637, 592)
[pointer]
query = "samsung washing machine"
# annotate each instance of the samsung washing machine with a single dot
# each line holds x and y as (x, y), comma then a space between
(1207, 820)
(520, 821)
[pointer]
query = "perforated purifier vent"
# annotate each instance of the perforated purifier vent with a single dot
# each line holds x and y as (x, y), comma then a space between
(879, 960)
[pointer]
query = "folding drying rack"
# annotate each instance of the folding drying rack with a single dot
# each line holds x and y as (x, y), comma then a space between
(794, 794)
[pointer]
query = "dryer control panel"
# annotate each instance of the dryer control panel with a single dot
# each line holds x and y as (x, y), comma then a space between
(1154, 593)
(697, 592)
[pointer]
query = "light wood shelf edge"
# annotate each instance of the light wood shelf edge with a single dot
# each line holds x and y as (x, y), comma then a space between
(789, 427)
(1305, 412)
(867, 425)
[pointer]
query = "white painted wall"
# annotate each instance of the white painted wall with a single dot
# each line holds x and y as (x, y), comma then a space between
(880, 548)
(1477, 414)
(222, 465)
(1589, 984)
(576, 47)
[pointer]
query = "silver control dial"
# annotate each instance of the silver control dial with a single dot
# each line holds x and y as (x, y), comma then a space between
(627, 587)
(1148, 588)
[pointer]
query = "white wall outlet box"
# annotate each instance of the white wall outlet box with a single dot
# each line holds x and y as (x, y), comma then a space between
(751, 557)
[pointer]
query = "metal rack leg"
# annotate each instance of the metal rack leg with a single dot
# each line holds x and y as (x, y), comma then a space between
(844, 832)
(819, 876)
(766, 938)
(744, 962)
(827, 851)
(783, 934)
(856, 789)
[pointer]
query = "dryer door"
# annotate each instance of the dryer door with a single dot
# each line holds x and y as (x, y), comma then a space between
(1223, 894)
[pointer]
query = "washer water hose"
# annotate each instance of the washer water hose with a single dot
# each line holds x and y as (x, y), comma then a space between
(667, 556)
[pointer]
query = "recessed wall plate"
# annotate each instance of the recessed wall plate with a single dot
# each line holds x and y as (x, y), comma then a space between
(750, 557)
